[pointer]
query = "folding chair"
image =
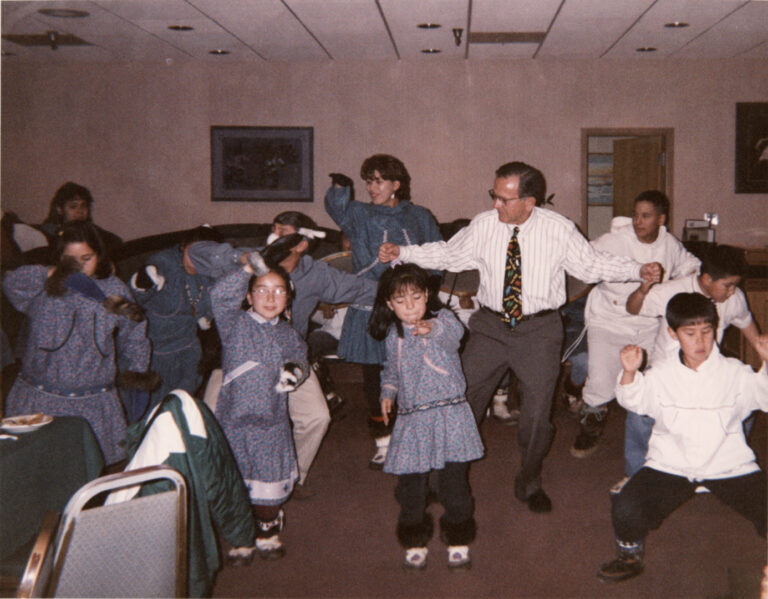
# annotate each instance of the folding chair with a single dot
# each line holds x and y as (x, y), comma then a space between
(37, 573)
(137, 548)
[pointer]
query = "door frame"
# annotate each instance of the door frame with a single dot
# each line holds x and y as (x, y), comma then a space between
(666, 133)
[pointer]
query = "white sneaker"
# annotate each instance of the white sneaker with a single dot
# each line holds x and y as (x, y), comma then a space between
(502, 413)
(458, 557)
(382, 446)
(415, 558)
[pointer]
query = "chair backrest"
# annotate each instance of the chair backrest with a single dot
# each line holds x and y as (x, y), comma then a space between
(37, 572)
(132, 549)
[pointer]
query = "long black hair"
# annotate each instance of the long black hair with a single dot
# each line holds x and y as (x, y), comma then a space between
(83, 231)
(65, 193)
(399, 278)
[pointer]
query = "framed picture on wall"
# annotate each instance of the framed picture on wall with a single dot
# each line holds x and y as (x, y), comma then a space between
(599, 179)
(261, 164)
(752, 147)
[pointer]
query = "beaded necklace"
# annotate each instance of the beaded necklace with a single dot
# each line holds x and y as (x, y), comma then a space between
(193, 302)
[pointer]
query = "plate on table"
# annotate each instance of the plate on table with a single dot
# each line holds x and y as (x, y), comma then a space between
(24, 424)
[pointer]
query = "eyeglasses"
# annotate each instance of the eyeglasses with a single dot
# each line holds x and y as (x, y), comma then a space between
(495, 196)
(265, 291)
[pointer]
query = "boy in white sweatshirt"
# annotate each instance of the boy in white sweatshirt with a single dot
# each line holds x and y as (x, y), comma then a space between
(698, 400)
(645, 238)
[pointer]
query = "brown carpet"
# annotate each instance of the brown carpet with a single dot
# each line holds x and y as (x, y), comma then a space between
(341, 543)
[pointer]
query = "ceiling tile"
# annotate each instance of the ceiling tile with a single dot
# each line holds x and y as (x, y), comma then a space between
(586, 29)
(650, 29)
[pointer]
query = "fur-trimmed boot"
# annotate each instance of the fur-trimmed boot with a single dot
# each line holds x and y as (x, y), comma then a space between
(414, 538)
(268, 543)
(458, 536)
(628, 563)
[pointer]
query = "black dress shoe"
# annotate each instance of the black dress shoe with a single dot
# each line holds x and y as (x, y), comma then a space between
(539, 502)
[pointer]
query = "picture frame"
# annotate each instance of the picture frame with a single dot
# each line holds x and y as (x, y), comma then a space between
(751, 174)
(599, 179)
(261, 164)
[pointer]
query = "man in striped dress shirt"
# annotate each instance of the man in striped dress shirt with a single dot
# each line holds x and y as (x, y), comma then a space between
(550, 245)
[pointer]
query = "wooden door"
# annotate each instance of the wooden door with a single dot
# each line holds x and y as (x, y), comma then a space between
(638, 165)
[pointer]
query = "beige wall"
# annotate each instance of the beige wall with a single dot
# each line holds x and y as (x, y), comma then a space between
(138, 135)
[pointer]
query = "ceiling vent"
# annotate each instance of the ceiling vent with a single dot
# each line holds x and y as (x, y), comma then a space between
(507, 37)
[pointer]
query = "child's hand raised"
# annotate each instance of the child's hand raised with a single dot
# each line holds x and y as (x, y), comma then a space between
(423, 327)
(386, 409)
(631, 359)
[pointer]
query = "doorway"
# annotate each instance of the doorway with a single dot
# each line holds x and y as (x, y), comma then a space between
(617, 165)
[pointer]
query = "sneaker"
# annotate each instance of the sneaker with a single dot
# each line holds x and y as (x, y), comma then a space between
(622, 568)
(458, 557)
(502, 413)
(377, 461)
(415, 558)
(270, 548)
(590, 430)
(617, 487)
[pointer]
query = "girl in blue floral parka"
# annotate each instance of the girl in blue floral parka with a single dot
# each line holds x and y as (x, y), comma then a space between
(434, 429)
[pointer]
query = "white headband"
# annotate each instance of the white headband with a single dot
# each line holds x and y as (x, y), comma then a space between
(311, 233)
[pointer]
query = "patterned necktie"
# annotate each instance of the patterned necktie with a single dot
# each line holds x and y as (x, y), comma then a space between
(512, 303)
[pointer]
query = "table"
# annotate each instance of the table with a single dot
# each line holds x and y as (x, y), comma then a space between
(40, 471)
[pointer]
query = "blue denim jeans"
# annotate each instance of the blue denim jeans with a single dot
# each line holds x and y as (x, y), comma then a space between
(637, 432)
(575, 340)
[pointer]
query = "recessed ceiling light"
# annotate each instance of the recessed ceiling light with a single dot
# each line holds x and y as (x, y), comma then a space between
(676, 24)
(63, 13)
(646, 49)
(431, 51)
(429, 25)
(180, 28)
(218, 52)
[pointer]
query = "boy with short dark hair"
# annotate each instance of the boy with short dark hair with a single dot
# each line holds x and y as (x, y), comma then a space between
(645, 238)
(698, 399)
(722, 268)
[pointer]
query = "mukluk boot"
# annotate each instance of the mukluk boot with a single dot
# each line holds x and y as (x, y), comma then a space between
(458, 536)
(240, 556)
(268, 543)
(414, 538)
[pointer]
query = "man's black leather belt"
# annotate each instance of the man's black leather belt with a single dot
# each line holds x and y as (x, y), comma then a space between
(522, 318)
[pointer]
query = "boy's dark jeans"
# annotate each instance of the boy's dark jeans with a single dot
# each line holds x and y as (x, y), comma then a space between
(650, 496)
